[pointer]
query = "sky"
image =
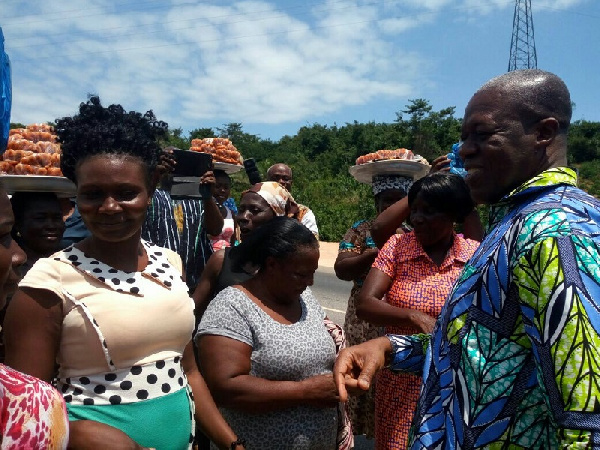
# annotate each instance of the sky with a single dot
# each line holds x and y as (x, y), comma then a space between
(275, 66)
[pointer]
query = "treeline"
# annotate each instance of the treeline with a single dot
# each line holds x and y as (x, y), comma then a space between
(320, 156)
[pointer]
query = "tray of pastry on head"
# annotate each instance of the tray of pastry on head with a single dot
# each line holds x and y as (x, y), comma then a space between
(61, 186)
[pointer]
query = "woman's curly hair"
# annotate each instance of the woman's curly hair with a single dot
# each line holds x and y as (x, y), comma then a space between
(97, 130)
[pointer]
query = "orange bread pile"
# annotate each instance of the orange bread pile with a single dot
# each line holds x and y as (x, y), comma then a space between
(221, 149)
(32, 151)
(399, 153)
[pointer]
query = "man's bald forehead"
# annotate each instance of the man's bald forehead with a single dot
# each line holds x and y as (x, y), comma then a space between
(279, 167)
(534, 94)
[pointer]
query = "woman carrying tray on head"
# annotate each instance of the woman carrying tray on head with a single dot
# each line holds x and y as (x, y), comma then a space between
(357, 251)
(113, 310)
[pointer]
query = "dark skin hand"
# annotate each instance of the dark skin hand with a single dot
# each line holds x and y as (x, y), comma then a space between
(371, 308)
(356, 366)
(213, 219)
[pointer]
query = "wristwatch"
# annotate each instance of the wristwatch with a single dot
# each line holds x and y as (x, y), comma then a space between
(237, 442)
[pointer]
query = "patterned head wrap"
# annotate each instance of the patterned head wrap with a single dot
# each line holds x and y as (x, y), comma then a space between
(279, 199)
(384, 182)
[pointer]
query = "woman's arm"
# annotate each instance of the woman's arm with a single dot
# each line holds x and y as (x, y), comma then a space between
(350, 265)
(207, 414)
(205, 289)
(32, 330)
(386, 223)
(472, 227)
(370, 307)
(225, 364)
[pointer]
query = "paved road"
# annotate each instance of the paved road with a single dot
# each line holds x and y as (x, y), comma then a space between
(333, 295)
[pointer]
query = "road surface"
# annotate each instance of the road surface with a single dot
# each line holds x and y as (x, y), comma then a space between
(333, 295)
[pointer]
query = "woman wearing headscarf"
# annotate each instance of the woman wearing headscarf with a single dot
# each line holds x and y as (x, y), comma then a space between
(357, 252)
(259, 204)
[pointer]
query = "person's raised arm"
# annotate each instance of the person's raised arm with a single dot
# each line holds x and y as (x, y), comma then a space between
(213, 220)
(225, 365)
(207, 284)
(472, 226)
(386, 223)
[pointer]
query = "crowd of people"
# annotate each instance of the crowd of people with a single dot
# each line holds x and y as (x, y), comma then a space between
(144, 318)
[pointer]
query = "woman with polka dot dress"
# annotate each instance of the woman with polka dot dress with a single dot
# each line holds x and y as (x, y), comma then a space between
(113, 310)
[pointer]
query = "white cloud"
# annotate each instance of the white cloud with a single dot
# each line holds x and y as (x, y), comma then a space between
(244, 61)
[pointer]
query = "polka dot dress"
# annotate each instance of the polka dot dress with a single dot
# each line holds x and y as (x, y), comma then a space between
(144, 317)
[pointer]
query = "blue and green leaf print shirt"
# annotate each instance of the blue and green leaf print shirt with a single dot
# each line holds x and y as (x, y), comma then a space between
(513, 361)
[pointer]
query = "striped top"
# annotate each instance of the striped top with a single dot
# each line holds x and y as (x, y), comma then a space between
(176, 224)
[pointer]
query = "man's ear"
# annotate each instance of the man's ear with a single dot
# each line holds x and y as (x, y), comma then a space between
(546, 131)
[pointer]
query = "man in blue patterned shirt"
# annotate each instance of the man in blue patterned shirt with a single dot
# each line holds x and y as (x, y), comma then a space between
(513, 359)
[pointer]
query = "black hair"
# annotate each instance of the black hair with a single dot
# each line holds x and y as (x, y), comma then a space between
(21, 202)
(446, 192)
(97, 130)
(220, 173)
(279, 237)
(536, 94)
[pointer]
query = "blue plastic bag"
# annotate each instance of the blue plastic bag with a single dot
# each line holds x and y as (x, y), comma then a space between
(5, 95)
(456, 163)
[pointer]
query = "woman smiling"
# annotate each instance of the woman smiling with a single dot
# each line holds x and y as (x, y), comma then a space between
(113, 311)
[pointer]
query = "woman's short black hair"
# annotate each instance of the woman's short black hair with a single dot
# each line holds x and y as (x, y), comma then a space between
(21, 202)
(97, 130)
(279, 237)
(446, 192)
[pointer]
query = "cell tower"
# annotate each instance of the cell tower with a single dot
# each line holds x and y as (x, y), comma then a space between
(522, 43)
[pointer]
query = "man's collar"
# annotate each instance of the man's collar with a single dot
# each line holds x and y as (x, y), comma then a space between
(550, 177)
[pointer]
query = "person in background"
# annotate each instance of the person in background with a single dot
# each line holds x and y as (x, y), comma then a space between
(512, 358)
(182, 224)
(357, 251)
(75, 229)
(259, 204)
(264, 349)
(391, 219)
(283, 175)
(113, 311)
(222, 191)
(415, 272)
(38, 226)
(32, 412)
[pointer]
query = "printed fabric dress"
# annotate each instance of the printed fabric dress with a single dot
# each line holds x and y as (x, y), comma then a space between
(32, 413)
(122, 340)
(361, 408)
(418, 283)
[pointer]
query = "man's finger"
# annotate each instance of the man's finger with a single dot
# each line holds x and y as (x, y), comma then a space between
(367, 373)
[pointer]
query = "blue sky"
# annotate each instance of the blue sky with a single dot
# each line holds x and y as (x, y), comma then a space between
(275, 66)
